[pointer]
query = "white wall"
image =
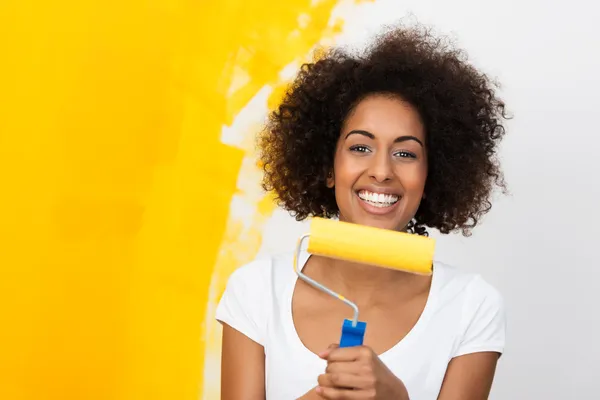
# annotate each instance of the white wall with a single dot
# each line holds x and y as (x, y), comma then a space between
(539, 245)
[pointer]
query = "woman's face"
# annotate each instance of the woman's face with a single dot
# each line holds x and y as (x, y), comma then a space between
(380, 164)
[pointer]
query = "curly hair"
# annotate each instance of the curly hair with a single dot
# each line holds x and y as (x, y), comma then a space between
(461, 113)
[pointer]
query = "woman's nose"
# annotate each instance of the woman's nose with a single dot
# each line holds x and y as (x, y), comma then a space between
(381, 168)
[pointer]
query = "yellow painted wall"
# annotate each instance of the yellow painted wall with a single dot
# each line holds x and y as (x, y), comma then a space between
(115, 228)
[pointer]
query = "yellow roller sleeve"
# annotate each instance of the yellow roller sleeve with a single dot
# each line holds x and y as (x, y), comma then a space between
(373, 246)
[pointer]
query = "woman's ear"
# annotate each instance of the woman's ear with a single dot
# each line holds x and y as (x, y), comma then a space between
(330, 180)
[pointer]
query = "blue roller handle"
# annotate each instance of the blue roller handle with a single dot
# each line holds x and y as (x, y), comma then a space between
(352, 335)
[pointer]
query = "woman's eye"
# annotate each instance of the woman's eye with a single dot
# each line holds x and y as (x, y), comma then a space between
(405, 154)
(360, 148)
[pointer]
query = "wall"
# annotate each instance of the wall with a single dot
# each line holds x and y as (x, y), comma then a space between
(130, 189)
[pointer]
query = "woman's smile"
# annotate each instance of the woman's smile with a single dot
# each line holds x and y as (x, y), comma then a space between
(378, 203)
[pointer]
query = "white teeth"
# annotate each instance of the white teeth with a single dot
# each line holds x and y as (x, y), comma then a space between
(378, 199)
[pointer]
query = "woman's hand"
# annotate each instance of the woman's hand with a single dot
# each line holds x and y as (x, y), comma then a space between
(357, 373)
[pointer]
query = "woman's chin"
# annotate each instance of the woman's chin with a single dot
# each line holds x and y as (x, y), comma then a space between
(381, 223)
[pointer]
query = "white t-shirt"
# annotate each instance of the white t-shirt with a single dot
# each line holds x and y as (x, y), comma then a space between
(463, 314)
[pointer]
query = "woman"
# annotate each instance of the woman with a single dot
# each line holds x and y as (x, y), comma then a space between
(401, 137)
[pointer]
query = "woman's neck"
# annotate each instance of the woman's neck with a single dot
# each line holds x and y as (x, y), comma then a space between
(365, 284)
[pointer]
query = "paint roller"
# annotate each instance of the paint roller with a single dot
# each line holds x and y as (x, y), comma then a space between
(366, 245)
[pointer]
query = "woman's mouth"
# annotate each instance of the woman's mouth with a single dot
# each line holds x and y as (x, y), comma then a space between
(378, 200)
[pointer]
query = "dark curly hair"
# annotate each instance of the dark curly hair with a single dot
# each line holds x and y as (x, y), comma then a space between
(458, 105)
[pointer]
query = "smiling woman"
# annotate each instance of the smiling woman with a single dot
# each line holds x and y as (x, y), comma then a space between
(402, 137)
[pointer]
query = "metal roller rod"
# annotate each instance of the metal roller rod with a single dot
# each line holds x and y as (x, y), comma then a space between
(319, 286)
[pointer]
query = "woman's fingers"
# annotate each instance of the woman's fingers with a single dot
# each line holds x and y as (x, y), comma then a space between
(349, 354)
(324, 354)
(343, 367)
(329, 393)
(344, 381)
(339, 381)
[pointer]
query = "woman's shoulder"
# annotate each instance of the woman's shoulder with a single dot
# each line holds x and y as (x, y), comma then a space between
(252, 272)
(264, 270)
(261, 281)
(467, 283)
(477, 304)
(251, 292)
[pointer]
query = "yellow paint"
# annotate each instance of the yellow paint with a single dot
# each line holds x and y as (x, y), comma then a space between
(116, 186)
